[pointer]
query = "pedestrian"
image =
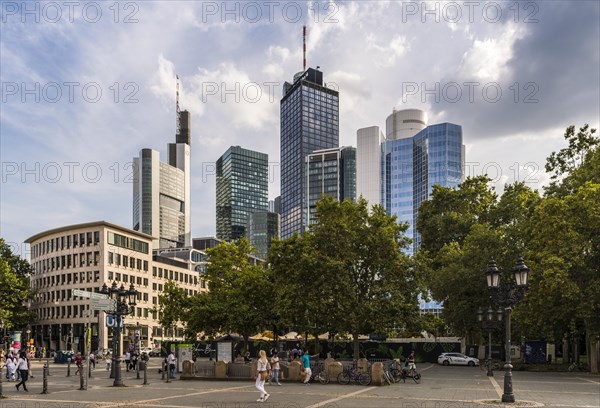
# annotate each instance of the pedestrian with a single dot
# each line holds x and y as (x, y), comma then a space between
(127, 360)
(11, 366)
(134, 359)
(92, 358)
(171, 361)
(410, 361)
(261, 376)
(107, 361)
(78, 362)
(23, 367)
(247, 358)
(306, 365)
(275, 368)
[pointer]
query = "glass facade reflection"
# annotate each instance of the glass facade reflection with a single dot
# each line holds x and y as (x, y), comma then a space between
(309, 115)
(242, 188)
(330, 172)
(412, 166)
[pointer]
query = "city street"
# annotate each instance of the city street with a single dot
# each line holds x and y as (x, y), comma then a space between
(441, 387)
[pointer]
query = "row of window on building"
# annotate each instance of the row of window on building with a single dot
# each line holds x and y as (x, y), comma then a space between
(68, 261)
(127, 261)
(66, 242)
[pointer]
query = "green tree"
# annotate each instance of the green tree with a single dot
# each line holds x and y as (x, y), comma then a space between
(173, 306)
(351, 265)
(575, 164)
(239, 297)
(14, 288)
(460, 240)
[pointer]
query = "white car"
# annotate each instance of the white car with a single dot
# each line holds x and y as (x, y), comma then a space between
(457, 359)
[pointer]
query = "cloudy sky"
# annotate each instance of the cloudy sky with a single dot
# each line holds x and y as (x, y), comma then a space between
(86, 85)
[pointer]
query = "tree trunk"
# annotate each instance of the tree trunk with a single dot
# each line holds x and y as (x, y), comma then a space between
(356, 345)
(316, 343)
(591, 345)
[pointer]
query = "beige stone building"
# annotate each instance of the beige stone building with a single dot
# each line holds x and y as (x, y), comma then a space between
(86, 256)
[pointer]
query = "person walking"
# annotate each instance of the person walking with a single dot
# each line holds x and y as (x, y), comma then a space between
(78, 362)
(171, 361)
(306, 365)
(92, 362)
(127, 360)
(261, 376)
(275, 368)
(11, 366)
(23, 367)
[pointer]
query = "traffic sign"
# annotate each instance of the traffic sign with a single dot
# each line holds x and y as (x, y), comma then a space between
(111, 321)
(103, 304)
(89, 295)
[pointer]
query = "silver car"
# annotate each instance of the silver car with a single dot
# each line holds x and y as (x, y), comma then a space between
(457, 359)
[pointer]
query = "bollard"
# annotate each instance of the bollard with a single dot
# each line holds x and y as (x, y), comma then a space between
(162, 374)
(68, 367)
(45, 374)
(1, 395)
(82, 386)
(145, 376)
(168, 372)
(137, 369)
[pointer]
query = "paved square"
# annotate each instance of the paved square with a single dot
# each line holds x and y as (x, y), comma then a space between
(441, 387)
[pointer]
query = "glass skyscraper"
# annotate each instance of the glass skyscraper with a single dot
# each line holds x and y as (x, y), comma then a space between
(242, 188)
(263, 226)
(330, 172)
(309, 121)
(161, 191)
(414, 165)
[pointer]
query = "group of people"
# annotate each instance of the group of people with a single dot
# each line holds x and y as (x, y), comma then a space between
(17, 367)
(268, 370)
(132, 359)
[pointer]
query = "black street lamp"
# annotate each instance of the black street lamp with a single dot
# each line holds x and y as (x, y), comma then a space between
(489, 324)
(125, 304)
(507, 293)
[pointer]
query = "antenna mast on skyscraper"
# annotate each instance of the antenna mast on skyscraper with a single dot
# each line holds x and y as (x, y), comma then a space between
(304, 46)
(178, 125)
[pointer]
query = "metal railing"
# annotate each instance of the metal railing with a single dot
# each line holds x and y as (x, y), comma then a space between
(204, 368)
(239, 370)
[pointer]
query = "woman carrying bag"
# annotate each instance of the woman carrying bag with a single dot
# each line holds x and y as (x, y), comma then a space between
(262, 374)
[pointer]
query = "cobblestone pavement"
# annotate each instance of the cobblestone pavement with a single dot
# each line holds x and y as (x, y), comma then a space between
(441, 387)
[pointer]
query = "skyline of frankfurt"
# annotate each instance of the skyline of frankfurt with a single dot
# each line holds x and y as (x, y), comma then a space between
(86, 85)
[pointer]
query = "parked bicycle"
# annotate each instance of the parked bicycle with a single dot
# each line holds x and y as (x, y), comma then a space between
(495, 365)
(578, 366)
(319, 374)
(352, 374)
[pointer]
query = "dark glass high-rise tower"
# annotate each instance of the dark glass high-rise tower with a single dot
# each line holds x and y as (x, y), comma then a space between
(242, 188)
(309, 121)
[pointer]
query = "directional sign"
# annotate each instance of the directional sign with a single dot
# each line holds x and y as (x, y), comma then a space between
(89, 295)
(103, 304)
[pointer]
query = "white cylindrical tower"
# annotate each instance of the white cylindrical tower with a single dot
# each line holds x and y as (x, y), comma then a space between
(405, 123)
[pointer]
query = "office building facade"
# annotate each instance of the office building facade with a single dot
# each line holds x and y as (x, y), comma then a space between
(329, 172)
(242, 188)
(309, 114)
(86, 256)
(161, 191)
(263, 226)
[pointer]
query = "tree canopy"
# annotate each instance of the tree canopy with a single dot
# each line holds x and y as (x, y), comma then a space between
(348, 273)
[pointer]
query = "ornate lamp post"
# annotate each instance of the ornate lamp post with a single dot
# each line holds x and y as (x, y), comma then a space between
(507, 293)
(125, 304)
(489, 324)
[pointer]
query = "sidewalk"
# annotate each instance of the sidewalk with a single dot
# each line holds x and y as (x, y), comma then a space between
(441, 387)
